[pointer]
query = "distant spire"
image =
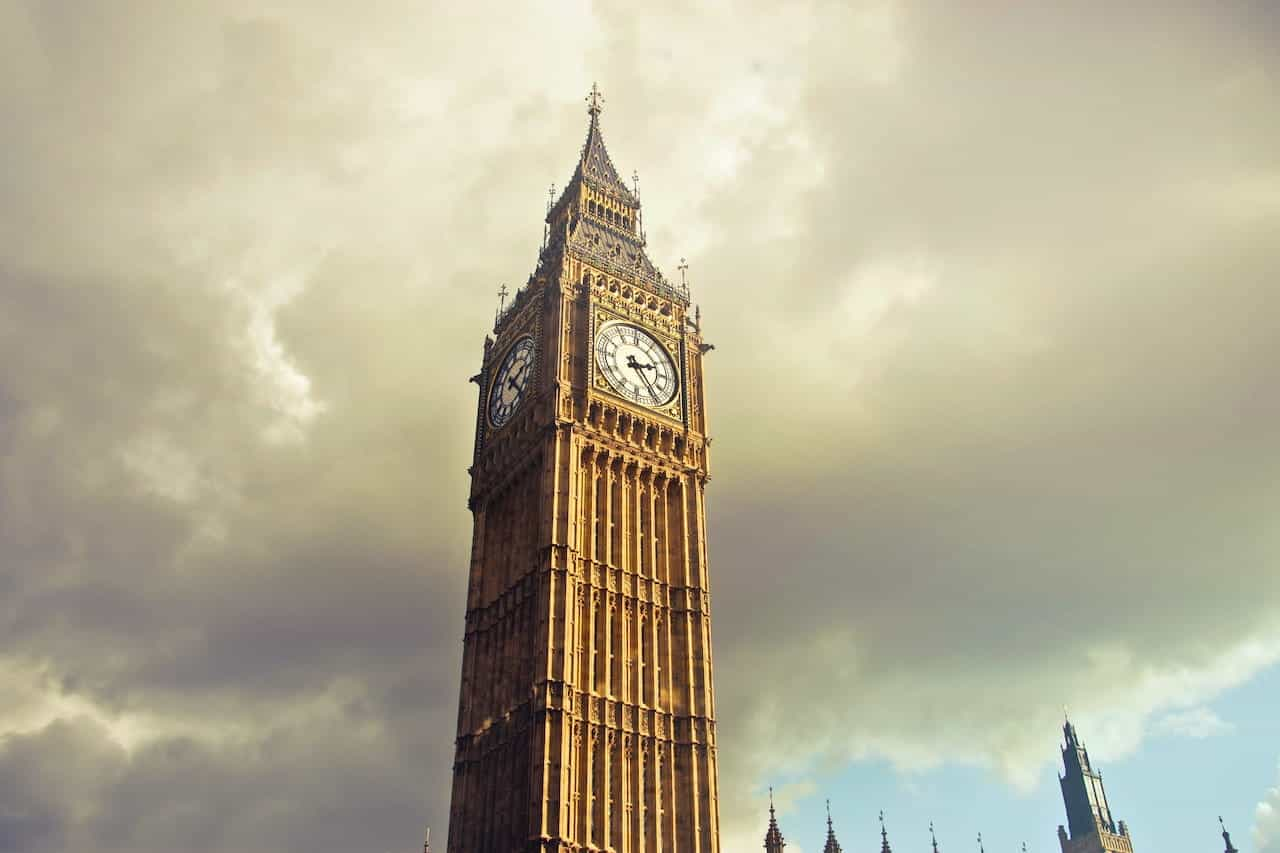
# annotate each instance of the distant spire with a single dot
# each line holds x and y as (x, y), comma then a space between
(1068, 730)
(773, 841)
(833, 846)
(884, 836)
(933, 837)
(1226, 836)
(981, 849)
(426, 846)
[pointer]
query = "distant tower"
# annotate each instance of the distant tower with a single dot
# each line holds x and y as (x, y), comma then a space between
(884, 836)
(832, 846)
(1226, 836)
(1092, 828)
(773, 841)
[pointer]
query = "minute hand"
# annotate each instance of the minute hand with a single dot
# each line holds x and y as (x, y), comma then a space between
(652, 391)
(640, 368)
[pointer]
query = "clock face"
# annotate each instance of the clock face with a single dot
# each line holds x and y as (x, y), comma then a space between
(636, 365)
(510, 382)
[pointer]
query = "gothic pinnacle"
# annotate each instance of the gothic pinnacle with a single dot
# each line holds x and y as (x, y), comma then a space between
(832, 846)
(773, 841)
(1226, 837)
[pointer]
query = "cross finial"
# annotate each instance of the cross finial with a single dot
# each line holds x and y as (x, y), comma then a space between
(551, 197)
(502, 297)
(595, 101)
(684, 268)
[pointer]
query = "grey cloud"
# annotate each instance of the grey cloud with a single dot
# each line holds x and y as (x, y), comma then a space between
(994, 289)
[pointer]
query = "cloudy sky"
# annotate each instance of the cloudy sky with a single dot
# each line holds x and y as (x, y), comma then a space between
(995, 294)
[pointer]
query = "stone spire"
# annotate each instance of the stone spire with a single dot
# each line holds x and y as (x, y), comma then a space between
(594, 166)
(884, 836)
(933, 837)
(833, 846)
(1226, 837)
(773, 841)
(597, 218)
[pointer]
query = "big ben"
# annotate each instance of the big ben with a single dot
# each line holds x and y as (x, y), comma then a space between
(586, 711)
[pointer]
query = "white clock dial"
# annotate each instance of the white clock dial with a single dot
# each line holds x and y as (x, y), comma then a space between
(511, 381)
(636, 364)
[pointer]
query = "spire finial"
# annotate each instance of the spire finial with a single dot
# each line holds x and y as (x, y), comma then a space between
(426, 847)
(684, 268)
(546, 228)
(884, 835)
(933, 837)
(981, 849)
(832, 846)
(595, 101)
(773, 841)
(502, 298)
(1226, 836)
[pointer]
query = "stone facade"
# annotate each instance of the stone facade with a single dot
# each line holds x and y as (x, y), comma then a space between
(586, 712)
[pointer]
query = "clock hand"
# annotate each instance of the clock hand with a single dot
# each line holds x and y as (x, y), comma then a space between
(632, 363)
(638, 367)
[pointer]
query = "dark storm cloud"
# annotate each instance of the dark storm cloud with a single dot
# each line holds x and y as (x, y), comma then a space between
(990, 296)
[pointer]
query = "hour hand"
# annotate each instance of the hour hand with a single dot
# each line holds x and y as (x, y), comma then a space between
(635, 365)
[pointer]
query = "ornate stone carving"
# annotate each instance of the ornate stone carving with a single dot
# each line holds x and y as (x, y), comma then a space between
(593, 267)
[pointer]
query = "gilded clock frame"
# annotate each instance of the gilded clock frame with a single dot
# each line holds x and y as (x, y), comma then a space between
(674, 408)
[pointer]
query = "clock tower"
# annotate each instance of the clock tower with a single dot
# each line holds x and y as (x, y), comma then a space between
(586, 714)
